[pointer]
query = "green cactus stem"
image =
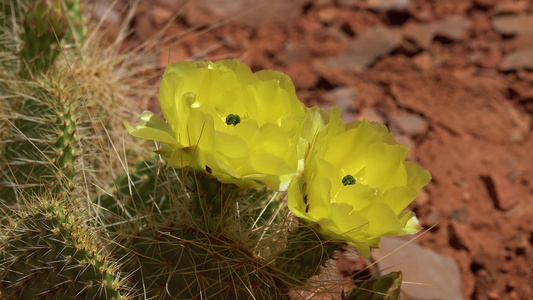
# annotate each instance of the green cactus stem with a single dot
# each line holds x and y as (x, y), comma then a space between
(145, 191)
(185, 235)
(42, 145)
(77, 22)
(304, 254)
(386, 287)
(151, 189)
(49, 252)
(45, 23)
(177, 262)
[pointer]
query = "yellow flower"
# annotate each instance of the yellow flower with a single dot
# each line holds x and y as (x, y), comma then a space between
(241, 127)
(357, 184)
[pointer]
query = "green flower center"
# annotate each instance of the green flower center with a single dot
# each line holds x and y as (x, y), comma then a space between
(348, 180)
(232, 119)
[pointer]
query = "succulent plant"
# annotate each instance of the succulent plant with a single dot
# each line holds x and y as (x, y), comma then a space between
(49, 251)
(386, 287)
(41, 147)
(45, 23)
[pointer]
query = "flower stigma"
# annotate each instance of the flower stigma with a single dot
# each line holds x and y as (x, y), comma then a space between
(348, 180)
(232, 119)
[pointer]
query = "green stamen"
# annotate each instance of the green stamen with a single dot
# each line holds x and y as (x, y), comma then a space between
(232, 119)
(348, 180)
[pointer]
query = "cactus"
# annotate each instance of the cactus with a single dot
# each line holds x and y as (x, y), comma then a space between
(195, 237)
(42, 144)
(45, 24)
(77, 22)
(176, 262)
(386, 287)
(49, 252)
(304, 254)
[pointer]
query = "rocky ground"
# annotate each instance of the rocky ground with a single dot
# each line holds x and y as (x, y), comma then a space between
(452, 79)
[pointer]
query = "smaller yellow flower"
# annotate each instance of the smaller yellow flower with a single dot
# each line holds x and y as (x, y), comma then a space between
(241, 127)
(357, 184)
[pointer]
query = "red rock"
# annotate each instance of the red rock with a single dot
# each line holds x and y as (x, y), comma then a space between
(433, 273)
(521, 41)
(301, 75)
(460, 236)
(161, 16)
(170, 54)
(388, 5)
(110, 17)
(328, 14)
(432, 219)
(174, 6)
(421, 34)
(491, 59)
(250, 12)
(371, 115)
(322, 3)
(423, 196)
(294, 53)
(454, 28)
(366, 49)
(501, 191)
(485, 3)
(483, 284)
(518, 60)
(510, 7)
(423, 61)
(347, 3)
(410, 124)
(345, 99)
(144, 27)
(513, 25)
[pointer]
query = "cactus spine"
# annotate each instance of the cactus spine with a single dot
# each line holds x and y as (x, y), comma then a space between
(42, 144)
(50, 253)
(45, 24)
(386, 287)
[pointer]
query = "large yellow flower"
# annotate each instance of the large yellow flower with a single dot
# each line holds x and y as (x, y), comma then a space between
(241, 127)
(357, 184)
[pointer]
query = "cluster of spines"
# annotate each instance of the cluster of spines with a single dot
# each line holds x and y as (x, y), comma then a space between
(386, 287)
(77, 21)
(304, 253)
(49, 252)
(177, 262)
(206, 245)
(42, 145)
(45, 24)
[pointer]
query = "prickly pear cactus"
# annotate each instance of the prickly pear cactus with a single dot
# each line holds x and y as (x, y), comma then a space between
(144, 190)
(77, 20)
(176, 262)
(305, 252)
(45, 24)
(183, 235)
(41, 148)
(49, 252)
(386, 287)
